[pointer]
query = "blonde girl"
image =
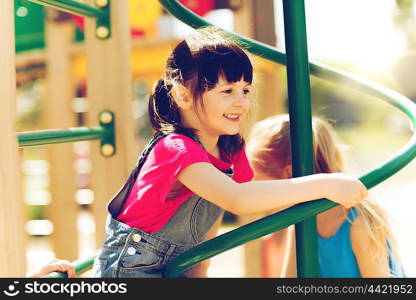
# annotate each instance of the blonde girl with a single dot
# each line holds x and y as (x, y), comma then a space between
(195, 167)
(352, 242)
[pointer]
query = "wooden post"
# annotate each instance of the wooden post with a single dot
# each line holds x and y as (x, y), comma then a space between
(243, 19)
(255, 19)
(109, 86)
(62, 211)
(12, 236)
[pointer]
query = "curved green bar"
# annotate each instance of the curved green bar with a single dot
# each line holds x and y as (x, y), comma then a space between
(46, 137)
(74, 7)
(80, 267)
(299, 212)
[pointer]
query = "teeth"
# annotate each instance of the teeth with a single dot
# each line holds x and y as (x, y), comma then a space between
(231, 116)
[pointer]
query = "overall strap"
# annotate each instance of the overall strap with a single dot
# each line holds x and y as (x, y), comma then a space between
(148, 148)
(159, 135)
(116, 204)
(191, 137)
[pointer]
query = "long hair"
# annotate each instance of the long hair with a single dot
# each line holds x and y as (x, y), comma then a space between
(197, 63)
(269, 151)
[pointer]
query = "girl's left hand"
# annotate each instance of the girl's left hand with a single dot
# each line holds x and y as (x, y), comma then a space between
(56, 265)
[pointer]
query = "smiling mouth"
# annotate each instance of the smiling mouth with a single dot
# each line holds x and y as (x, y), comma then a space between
(232, 117)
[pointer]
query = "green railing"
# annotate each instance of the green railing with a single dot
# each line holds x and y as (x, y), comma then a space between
(101, 12)
(79, 266)
(105, 133)
(299, 212)
(303, 211)
(300, 113)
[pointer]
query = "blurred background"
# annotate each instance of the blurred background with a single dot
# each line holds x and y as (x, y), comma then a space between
(370, 38)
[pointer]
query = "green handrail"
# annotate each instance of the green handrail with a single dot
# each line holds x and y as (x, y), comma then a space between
(74, 7)
(79, 266)
(303, 211)
(105, 133)
(101, 12)
(58, 136)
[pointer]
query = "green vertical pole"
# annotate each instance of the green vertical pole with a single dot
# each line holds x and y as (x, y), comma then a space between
(301, 126)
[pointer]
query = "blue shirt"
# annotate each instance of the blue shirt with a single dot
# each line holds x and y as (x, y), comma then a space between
(336, 256)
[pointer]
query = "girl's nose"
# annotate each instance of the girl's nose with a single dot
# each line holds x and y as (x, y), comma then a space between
(241, 101)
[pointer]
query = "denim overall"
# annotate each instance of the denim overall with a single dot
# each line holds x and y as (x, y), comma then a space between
(130, 252)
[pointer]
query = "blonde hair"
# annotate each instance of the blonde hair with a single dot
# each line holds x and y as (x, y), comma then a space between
(269, 151)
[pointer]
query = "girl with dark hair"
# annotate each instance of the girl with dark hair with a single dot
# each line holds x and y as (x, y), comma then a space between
(195, 167)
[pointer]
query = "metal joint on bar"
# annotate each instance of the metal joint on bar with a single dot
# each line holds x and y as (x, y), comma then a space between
(105, 132)
(101, 12)
(108, 141)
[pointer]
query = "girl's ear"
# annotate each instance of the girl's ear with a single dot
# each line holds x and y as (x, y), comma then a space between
(181, 96)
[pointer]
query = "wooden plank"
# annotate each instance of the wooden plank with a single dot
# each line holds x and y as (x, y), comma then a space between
(12, 237)
(109, 86)
(62, 210)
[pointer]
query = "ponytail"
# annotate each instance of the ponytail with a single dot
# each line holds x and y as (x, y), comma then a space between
(163, 111)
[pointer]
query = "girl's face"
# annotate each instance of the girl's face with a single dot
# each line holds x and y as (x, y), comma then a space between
(225, 105)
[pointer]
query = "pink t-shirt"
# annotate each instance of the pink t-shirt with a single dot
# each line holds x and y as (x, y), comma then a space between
(147, 206)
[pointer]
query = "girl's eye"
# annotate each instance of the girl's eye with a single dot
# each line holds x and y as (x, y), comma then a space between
(246, 91)
(228, 91)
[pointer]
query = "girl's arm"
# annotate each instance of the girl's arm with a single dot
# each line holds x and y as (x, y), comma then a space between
(262, 196)
(362, 245)
(289, 269)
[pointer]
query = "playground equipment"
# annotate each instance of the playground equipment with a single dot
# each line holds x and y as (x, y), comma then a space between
(105, 58)
(299, 110)
(100, 12)
(300, 113)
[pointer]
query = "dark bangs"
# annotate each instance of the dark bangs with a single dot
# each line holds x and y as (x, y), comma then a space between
(197, 63)
(229, 61)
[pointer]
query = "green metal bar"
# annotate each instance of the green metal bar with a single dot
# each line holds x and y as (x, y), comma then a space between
(300, 112)
(300, 212)
(188, 17)
(101, 13)
(105, 133)
(74, 7)
(58, 136)
(79, 266)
